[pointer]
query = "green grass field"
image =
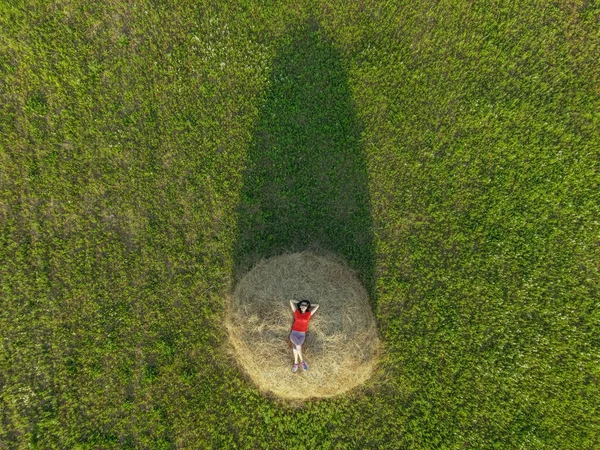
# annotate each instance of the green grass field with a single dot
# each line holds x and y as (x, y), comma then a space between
(151, 153)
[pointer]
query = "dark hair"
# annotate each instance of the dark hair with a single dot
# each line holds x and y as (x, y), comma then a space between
(307, 307)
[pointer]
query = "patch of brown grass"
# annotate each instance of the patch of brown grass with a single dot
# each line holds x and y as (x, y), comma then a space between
(342, 345)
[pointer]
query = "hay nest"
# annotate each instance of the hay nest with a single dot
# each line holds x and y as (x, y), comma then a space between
(341, 345)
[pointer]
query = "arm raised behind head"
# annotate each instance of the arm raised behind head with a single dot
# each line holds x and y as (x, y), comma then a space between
(293, 305)
(313, 310)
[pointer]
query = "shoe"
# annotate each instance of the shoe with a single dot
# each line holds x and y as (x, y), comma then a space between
(295, 368)
(304, 366)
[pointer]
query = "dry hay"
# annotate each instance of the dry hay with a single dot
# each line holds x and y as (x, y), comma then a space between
(341, 345)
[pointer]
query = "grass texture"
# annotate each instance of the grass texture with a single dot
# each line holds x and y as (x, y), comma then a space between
(152, 152)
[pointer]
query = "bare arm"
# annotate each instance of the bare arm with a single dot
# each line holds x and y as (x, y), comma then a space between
(313, 310)
(294, 305)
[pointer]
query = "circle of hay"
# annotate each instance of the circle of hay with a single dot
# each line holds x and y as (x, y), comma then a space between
(341, 345)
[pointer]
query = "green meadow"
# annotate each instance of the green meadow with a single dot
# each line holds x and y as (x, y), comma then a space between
(152, 152)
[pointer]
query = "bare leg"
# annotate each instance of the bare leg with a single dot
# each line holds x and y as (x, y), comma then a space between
(295, 355)
(299, 352)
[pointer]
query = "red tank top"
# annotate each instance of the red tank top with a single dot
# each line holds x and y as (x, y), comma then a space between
(301, 321)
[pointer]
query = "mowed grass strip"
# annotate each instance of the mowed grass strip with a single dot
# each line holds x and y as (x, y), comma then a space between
(126, 136)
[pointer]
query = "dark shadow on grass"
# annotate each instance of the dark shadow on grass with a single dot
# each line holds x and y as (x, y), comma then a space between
(306, 182)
